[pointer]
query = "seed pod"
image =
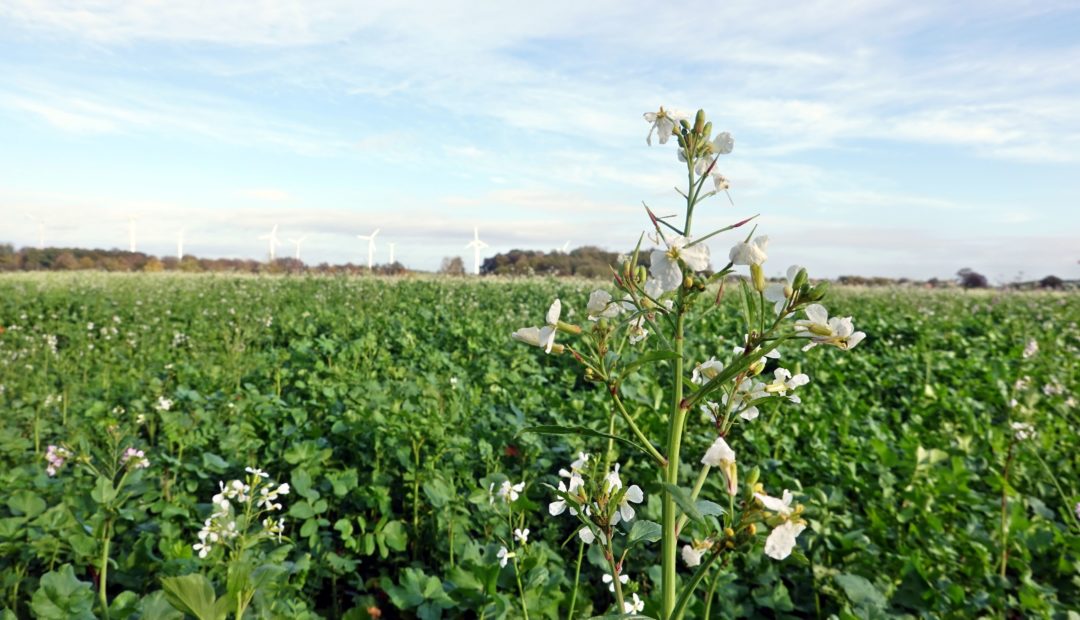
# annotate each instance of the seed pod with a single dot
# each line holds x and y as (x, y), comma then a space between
(752, 477)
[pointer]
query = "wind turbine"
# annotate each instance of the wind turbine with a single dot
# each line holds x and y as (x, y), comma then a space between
(297, 243)
(370, 247)
(180, 245)
(476, 244)
(391, 252)
(132, 245)
(40, 231)
(273, 240)
(566, 247)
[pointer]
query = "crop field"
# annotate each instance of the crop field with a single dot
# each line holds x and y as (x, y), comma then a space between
(938, 463)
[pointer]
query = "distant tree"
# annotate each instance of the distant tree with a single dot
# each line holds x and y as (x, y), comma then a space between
(65, 262)
(971, 279)
(452, 266)
(153, 266)
(1051, 282)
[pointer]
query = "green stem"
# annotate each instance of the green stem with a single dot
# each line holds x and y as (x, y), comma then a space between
(521, 590)
(637, 431)
(1004, 510)
(694, 494)
(1064, 498)
(712, 592)
(577, 580)
(103, 569)
(688, 591)
(619, 601)
(675, 430)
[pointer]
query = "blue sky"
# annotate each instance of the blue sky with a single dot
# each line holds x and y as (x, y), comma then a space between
(875, 138)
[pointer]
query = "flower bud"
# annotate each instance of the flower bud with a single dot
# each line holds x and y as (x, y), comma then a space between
(730, 544)
(759, 488)
(818, 292)
(751, 529)
(708, 130)
(758, 276)
(699, 122)
(688, 281)
(685, 124)
(641, 274)
(800, 280)
(730, 533)
(752, 477)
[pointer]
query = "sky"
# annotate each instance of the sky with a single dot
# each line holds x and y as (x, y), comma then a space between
(879, 138)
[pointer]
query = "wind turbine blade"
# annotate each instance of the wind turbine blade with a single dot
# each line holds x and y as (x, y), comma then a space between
(375, 233)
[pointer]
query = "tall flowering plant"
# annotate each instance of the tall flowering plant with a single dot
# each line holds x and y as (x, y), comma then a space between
(639, 329)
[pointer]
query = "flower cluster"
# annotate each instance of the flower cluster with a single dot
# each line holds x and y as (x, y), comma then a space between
(600, 506)
(135, 458)
(56, 456)
(785, 523)
(238, 504)
(821, 329)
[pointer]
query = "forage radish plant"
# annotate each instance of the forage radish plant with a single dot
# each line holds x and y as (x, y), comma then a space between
(638, 329)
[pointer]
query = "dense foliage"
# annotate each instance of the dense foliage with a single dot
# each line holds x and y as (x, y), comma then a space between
(392, 407)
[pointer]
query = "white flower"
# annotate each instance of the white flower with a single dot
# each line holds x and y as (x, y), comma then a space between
(663, 123)
(1031, 348)
(779, 293)
(785, 382)
(509, 493)
(136, 457)
(749, 253)
(747, 392)
(608, 579)
(1023, 431)
(821, 329)
(722, 144)
(601, 306)
(634, 606)
(780, 506)
(579, 463)
(558, 506)
(535, 336)
(626, 512)
(706, 371)
(504, 556)
(692, 555)
(665, 267)
(255, 471)
(782, 539)
(163, 404)
(721, 455)
(588, 537)
(521, 535)
(636, 330)
(612, 481)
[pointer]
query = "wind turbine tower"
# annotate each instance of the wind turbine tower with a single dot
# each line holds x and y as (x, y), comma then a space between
(370, 247)
(391, 252)
(180, 245)
(132, 240)
(272, 239)
(297, 242)
(476, 244)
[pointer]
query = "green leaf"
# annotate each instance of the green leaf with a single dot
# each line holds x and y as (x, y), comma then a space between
(124, 606)
(861, 592)
(709, 509)
(26, 503)
(104, 492)
(156, 606)
(395, 536)
(438, 492)
(648, 358)
(192, 594)
(551, 429)
(644, 531)
(214, 463)
(682, 498)
(61, 596)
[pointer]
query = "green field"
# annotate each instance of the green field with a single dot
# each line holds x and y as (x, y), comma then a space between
(392, 406)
